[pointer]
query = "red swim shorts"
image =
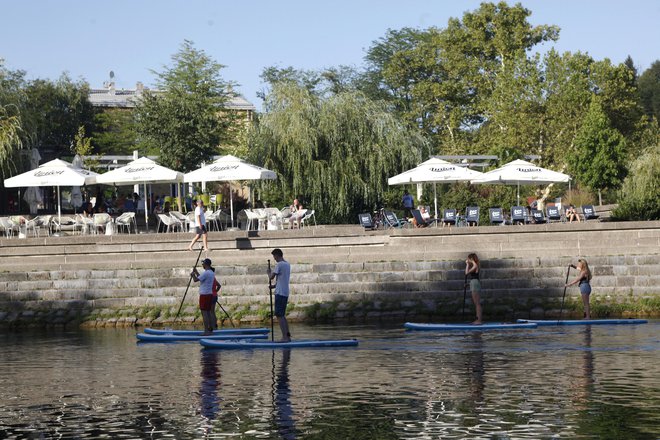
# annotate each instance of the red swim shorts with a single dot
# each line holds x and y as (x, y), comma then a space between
(206, 302)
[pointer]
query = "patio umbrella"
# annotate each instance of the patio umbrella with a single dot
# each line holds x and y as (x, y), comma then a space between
(434, 171)
(226, 169)
(142, 170)
(520, 172)
(54, 173)
(33, 194)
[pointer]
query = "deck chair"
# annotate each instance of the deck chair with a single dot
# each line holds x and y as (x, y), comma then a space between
(392, 221)
(421, 222)
(306, 218)
(589, 213)
(472, 216)
(538, 217)
(517, 215)
(553, 214)
(366, 221)
(496, 216)
(448, 217)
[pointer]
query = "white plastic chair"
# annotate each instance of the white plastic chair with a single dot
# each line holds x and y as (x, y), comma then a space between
(172, 223)
(126, 220)
(308, 215)
(101, 221)
(7, 227)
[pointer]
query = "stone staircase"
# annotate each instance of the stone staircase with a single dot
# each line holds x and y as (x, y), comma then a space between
(337, 272)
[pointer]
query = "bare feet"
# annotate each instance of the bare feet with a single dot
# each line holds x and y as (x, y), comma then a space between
(477, 322)
(190, 249)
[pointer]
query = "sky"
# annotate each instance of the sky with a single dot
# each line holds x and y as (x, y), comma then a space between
(89, 38)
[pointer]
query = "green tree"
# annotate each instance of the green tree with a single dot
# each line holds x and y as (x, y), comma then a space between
(184, 120)
(649, 90)
(600, 150)
(639, 198)
(115, 131)
(335, 152)
(10, 140)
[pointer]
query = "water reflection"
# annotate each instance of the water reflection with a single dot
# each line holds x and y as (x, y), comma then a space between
(585, 375)
(210, 383)
(283, 410)
(475, 368)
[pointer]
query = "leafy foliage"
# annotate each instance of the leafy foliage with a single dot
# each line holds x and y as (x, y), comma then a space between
(639, 198)
(184, 121)
(115, 131)
(649, 90)
(336, 152)
(10, 141)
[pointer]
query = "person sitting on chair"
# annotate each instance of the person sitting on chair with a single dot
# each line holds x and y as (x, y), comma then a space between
(297, 214)
(571, 214)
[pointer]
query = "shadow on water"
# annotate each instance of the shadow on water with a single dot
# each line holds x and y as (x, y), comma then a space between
(282, 409)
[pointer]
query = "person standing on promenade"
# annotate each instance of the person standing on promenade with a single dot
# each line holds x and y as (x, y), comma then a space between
(281, 274)
(206, 299)
(472, 268)
(408, 204)
(584, 281)
(200, 226)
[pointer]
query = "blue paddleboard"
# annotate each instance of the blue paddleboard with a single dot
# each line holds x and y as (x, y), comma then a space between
(583, 321)
(223, 331)
(247, 344)
(478, 327)
(145, 337)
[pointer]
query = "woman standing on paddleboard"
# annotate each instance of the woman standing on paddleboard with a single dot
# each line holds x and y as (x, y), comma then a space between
(472, 267)
(583, 280)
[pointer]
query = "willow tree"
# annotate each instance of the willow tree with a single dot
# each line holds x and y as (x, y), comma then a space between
(335, 152)
(10, 141)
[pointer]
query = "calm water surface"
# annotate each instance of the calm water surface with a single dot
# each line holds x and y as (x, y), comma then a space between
(598, 382)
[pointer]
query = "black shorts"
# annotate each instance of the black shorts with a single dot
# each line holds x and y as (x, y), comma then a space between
(200, 230)
(280, 305)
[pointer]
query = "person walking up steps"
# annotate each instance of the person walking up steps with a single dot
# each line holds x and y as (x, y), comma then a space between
(281, 274)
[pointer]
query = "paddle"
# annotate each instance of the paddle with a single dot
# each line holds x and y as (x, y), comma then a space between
(223, 309)
(561, 310)
(464, 295)
(188, 287)
(270, 289)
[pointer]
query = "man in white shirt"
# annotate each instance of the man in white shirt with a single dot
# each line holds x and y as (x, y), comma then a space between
(200, 226)
(206, 298)
(282, 272)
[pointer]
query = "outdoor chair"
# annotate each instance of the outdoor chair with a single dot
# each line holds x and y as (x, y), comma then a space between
(126, 220)
(553, 214)
(517, 215)
(538, 217)
(7, 227)
(185, 222)
(496, 216)
(34, 225)
(392, 221)
(101, 222)
(308, 215)
(366, 221)
(222, 219)
(472, 216)
(172, 223)
(589, 213)
(421, 222)
(61, 224)
(448, 217)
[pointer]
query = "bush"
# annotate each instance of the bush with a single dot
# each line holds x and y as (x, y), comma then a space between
(639, 198)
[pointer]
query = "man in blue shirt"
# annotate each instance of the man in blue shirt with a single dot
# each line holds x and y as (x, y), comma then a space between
(408, 203)
(282, 273)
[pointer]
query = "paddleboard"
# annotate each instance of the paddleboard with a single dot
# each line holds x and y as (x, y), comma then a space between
(478, 327)
(223, 331)
(145, 337)
(583, 321)
(303, 343)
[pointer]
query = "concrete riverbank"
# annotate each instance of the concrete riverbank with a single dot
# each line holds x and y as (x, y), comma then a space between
(339, 273)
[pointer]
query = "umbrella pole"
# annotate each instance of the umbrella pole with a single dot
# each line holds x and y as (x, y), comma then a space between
(59, 208)
(518, 193)
(435, 199)
(146, 208)
(231, 205)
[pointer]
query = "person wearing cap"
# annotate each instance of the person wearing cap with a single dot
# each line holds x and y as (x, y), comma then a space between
(206, 300)
(200, 226)
(281, 274)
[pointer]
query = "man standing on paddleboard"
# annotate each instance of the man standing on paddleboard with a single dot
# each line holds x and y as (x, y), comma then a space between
(282, 273)
(206, 300)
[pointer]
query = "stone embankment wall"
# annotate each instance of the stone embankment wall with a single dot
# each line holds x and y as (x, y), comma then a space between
(339, 272)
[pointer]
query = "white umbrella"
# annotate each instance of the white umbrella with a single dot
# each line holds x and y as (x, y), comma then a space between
(226, 169)
(141, 170)
(520, 172)
(33, 194)
(54, 173)
(435, 171)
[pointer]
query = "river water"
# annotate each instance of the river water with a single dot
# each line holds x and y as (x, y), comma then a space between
(553, 382)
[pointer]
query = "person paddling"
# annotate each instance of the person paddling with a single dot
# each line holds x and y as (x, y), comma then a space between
(583, 280)
(206, 299)
(472, 267)
(282, 274)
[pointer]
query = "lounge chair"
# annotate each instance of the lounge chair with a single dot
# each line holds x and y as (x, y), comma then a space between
(448, 217)
(538, 217)
(518, 215)
(472, 216)
(366, 221)
(496, 216)
(421, 222)
(553, 214)
(589, 213)
(392, 221)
